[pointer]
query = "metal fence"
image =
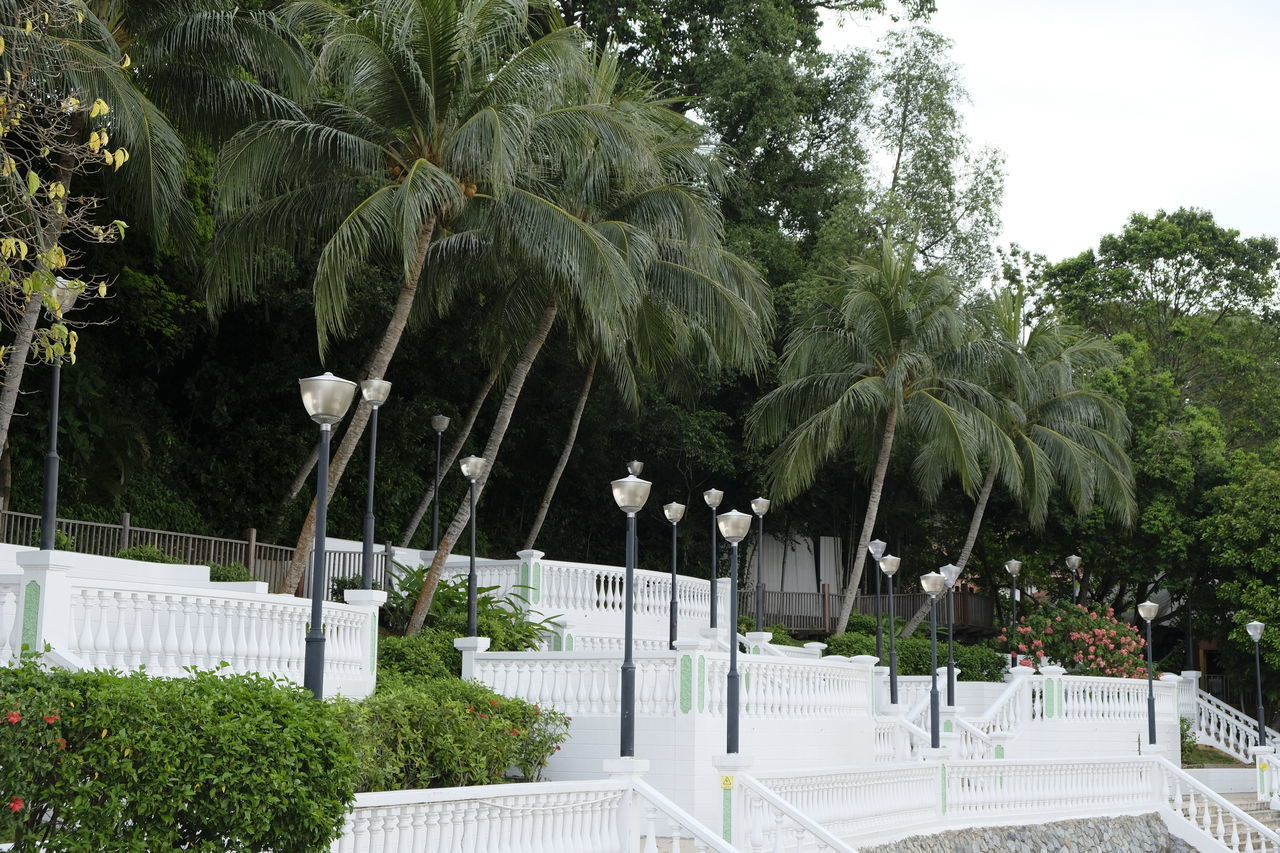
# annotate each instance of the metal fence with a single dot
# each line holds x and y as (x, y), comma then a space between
(267, 563)
(818, 611)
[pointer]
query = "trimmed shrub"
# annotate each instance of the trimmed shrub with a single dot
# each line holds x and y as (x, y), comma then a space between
(145, 554)
(232, 573)
(443, 732)
(976, 663)
(99, 761)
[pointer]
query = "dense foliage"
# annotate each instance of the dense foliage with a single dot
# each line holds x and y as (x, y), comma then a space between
(974, 662)
(1087, 641)
(95, 761)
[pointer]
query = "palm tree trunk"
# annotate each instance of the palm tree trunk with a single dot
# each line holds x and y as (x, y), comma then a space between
(869, 520)
(491, 448)
(975, 523)
(454, 449)
(382, 355)
(563, 461)
(15, 363)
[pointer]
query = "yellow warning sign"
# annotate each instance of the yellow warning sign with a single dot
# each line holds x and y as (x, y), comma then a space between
(726, 782)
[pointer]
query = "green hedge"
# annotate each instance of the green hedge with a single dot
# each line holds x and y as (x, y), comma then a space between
(976, 663)
(94, 761)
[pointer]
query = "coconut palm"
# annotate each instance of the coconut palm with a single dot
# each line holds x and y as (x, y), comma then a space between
(882, 350)
(1068, 438)
(430, 105)
(653, 203)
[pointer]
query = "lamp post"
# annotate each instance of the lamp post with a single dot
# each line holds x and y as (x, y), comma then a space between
(439, 423)
(630, 494)
(713, 498)
(1148, 610)
(674, 512)
(734, 526)
(1073, 565)
(760, 506)
(1255, 633)
(876, 549)
(950, 573)
(888, 565)
(933, 584)
(64, 296)
(1013, 567)
(473, 468)
(326, 399)
(375, 393)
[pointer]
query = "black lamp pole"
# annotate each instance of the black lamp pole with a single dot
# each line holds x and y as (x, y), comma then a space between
(375, 393)
(933, 584)
(879, 624)
(951, 653)
(889, 567)
(313, 665)
(1255, 633)
(439, 423)
(760, 506)
(1148, 610)
(713, 498)
(49, 504)
(473, 468)
(731, 732)
(630, 494)
(674, 512)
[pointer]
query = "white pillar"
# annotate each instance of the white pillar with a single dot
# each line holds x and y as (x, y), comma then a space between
(368, 601)
(469, 646)
(733, 818)
(44, 606)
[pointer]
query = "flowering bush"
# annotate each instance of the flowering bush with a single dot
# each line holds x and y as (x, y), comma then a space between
(101, 761)
(1085, 640)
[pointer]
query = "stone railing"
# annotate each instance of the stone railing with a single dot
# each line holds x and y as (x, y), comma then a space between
(624, 814)
(772, 823)
(1219, 725)
(154, 616)
(879, 805)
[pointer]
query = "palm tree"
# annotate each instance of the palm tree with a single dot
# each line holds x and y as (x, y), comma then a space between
(881, 350)
(1067, 437)
(652, 201)
(430, 105)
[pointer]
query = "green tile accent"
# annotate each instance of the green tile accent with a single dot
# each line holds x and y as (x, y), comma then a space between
(686, 684)
(557, 643)
(30, 616)
(726, 829)
(1050, 694)
(568, 642)
(943, 776)
(524, 574)
(702, 684)
(535, 595)
(948, 726)
(999, 750)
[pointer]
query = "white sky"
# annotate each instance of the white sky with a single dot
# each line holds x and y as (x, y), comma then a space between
(1105, 107)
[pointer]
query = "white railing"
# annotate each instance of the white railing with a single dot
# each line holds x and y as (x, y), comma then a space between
(1011, 708)
(970, 742)
(898, 739)
(604, 816)
(884, 804)
(10, 618)
(1094, 698)
(1228, 729)
(788, 689)
(773, 823)
(166, 629)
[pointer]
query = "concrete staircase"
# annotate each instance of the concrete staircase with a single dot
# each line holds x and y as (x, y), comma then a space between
(1261, 812)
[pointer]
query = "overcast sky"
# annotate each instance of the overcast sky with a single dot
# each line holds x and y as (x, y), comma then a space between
(1105, 107)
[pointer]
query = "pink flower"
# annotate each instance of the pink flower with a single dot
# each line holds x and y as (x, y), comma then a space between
(14, 718)
(15, 804)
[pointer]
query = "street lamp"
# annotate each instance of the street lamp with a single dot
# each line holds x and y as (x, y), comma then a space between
(876, 548)
(326, 399)
(629, 493)
(760, 506)
(1255, 633)
(889, 565)
(734, 526)
(473, 468)
(674, 512)
(64, 296)
(950, 573)
(1148, 610)
(439, 423)
(375, 393)
(1073, 565)
(933, 585)
(1013, 567)
(713, 498)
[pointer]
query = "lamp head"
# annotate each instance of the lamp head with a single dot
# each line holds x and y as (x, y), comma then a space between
(326, 397)
(375, 391)
(1013, 567)
(876, 548)
(673, 511)
(733, 525)
(1255, 630)
(933, 584)
(760, 506)
(950, 573)
(713, 497)
(473, 467)
(65, 294)
(630, 493)
(439, 423)
(1073, 563)
(635, 468)
(889, 564)
(1148, 610)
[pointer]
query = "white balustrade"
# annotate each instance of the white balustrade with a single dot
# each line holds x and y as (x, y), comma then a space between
(167, 629)
(1219, 725)
(1095, 698)
(1021, 699)
(10, 619)
(774, 823)
(850, 804)
(1211, 814)
(541, 817)
(580, 684)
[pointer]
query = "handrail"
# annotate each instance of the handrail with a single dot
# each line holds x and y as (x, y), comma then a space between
(1197, 813)
(681, 818)
(1235, 713)
(1227, 728)
(767, 800)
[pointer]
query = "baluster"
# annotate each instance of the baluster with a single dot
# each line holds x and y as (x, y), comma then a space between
(651, 829)
(242, 646)
(120, 640)
(154, 644)
(90, 618)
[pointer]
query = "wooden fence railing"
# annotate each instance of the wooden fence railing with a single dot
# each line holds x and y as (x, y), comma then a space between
(265, 562)
(818, 611)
